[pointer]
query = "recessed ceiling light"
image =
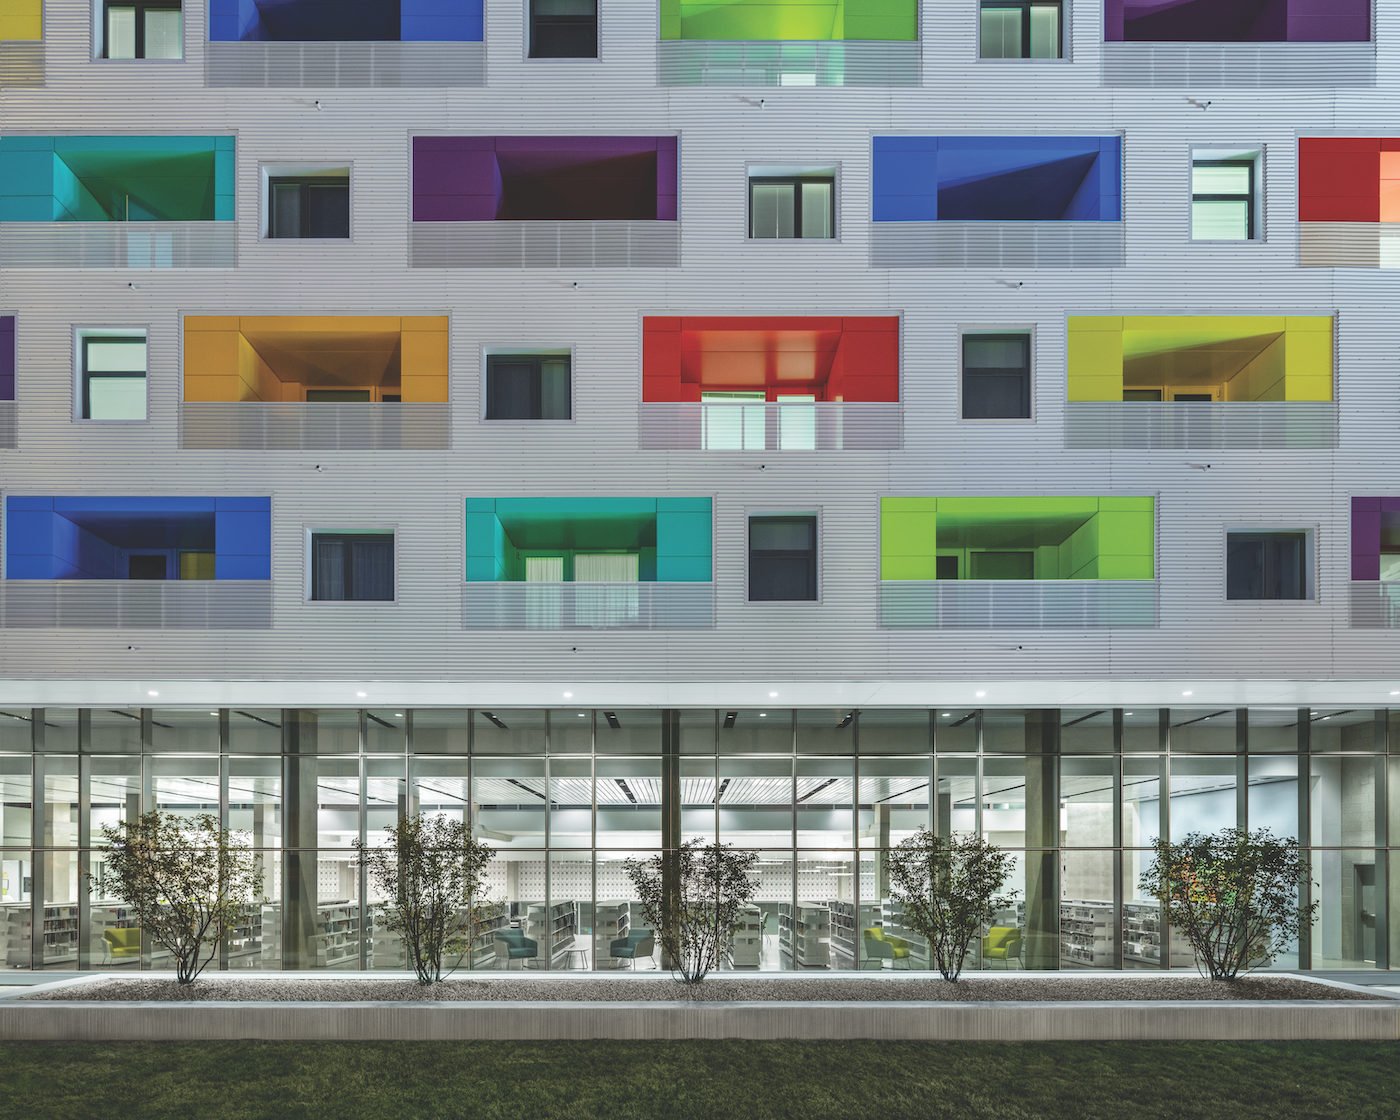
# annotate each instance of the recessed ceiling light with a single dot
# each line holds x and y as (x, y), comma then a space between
(583, 715)
(213, 713)
(772, 694)
(1127, 713)
(399, 715)
(981, 694)
(362, 695)
(1395, 693)
(568, 696)
(1186, 694)
(152, 693)
(762, 715)
(947, 715)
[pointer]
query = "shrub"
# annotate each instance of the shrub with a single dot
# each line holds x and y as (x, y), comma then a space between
(1233, 895)
(692, 896)
(432, 873)
(188, 880)
(948, 889)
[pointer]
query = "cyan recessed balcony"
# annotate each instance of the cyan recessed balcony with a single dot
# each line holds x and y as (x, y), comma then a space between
(117, 202)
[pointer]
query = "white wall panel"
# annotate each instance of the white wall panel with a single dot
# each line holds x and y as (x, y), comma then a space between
(420, 638)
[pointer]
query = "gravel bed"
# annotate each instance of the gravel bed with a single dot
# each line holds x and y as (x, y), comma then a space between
(716, 988)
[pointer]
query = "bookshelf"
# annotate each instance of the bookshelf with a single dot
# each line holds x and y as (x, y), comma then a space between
(1142, 938)
(746, 947)
(1086, 933)
(337, 942)
(60, 933)
(848, 926)
(804, 934)
(556, 925)
(18, 921)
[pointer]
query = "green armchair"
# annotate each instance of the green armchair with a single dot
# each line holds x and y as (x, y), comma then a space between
(123, 944)
(518, 946)
(1002, 943)
(881, 947)
(639, 943)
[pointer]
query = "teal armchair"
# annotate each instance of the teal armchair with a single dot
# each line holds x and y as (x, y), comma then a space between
(639, 943)
(518, 946)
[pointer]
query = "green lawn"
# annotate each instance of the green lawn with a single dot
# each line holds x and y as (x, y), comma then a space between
(702, 1080)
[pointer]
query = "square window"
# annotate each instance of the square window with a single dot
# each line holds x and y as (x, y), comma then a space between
(352, 566)
(1266, 565)
(996, 382)
(783, 557)
(529, 386)
(112, 374)
(1022, 29)
(305, 201)
(563, 28)
(141, 29)
(792, 202)
(1225, 194)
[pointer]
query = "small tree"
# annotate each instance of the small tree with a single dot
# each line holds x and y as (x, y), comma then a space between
(692, 897)
(432, 872)
(948, 889)
(1233, 895)
(187, 878)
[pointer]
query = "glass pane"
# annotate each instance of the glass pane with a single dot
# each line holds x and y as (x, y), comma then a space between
(115, 796)
(163, 33)
(823, 934)
(633, 731)
(16, 730)
(1203, 731)
(328, 209)
(957, 797)
(255, 808)
(17, 907)
(1220, 221)
(816, 209)
(1045, 31)
(1142, 801)
(894, 732)
(1086, 731)
(730, 425)
(772, 900)
(797, 423)
(621, 936)
(825, 787)
(755, 802)
(114, 731)
(336, 929)
(629, 802)
(826, 731)
(554, 389)
(116, 398)
(1142, 730)
(437, 731)
(439, 789)
(337, 731)
(1344, 933)
(286, 209)
(185, 731)
(1001, 32)
(16, 803)
(255, 731)
(772, 210)
(698, 732)
(1273, 795)
(385, 795)
(1086, 910)
(1004, 732)
(892, 800)
(1273, 729)
(1343, 801)
(1202, 796)
(60, 917)
(1351, 729)
(60, 802)
(386, 731)
(338, 802)
(570, 916)
(508, 802)
(121, 32)
(185, 787)
(1206, 179)
(1087, 797)
(117, 356)
(571, 731)
(698, 786)
(571, 803)
(1020, 807)
(509, 731)
(955, 730)
(756, 731)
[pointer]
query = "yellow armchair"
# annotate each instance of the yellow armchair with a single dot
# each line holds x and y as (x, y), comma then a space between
(1002, 943)
(124, 944)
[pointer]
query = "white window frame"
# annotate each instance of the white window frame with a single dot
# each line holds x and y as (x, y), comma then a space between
(309, 531)
(544, 349)
(99, 36)
(1255, 152)
(750, 512)
(964, 330)
(276, 169)
(125, 330)
(765, 169)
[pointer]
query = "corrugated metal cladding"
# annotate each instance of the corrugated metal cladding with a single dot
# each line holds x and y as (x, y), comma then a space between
(419, 494)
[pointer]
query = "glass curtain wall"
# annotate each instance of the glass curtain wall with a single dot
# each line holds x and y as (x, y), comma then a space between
(567, 796)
